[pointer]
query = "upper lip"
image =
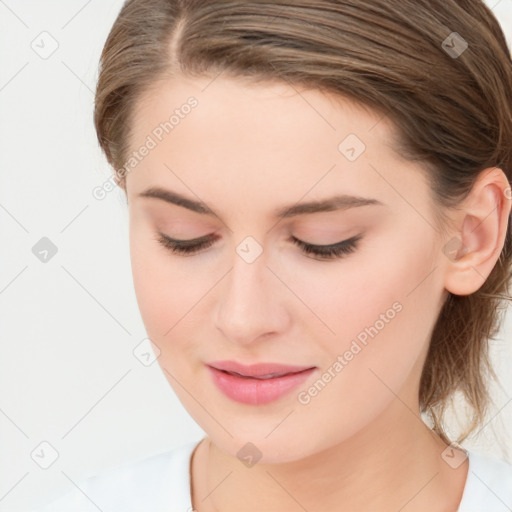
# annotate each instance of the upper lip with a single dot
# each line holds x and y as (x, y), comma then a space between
(258, 369)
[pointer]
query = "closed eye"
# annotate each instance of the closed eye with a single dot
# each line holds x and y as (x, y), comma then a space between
(330, 251)
(327, 252)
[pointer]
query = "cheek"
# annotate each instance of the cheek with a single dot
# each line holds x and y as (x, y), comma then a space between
(381, 308)
(159, 288)
(169, 294)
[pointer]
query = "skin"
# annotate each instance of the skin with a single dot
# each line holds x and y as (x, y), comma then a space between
(245, 150)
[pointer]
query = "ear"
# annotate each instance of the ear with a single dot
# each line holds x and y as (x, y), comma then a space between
(475, 247)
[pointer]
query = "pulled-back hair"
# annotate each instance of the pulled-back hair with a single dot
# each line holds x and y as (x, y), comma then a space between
(451, 106)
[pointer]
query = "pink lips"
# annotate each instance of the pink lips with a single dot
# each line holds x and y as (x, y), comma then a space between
(257, 383)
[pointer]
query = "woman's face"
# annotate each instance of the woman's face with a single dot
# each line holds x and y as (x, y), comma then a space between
(360, 319)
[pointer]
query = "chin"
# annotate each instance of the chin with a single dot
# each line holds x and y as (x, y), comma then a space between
(252, 449)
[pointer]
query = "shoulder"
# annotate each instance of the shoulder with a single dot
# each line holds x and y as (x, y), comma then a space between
(157, 483)
(488, 484)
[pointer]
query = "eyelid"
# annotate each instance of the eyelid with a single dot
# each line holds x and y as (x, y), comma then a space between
(330, 252)
(346, 241)
(206, 238)
(192, 241)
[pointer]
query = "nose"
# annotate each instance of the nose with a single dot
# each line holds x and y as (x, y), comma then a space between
(251, 302)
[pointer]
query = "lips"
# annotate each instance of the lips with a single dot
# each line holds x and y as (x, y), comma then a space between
(259, 370)
(257, 384)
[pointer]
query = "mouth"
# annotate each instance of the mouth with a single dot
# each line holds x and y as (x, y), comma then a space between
(261, 377)
(257, 384)
(258, 370)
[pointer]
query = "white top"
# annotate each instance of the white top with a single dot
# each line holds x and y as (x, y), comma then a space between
(161, 483)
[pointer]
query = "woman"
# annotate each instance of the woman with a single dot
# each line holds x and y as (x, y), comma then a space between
(319, 199)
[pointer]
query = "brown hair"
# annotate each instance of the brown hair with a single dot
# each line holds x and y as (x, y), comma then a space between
(452, 112)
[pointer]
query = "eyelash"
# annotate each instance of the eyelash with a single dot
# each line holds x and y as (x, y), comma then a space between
(328, 252)
(332, 251)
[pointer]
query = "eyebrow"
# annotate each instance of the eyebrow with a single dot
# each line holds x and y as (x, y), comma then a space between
(335, 203)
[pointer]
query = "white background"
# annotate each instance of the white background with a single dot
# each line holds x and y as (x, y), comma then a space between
(68, 375)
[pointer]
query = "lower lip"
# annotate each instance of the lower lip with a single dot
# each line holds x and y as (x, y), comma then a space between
(252, 391)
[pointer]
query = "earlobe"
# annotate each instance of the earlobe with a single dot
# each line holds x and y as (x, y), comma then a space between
(476, 247)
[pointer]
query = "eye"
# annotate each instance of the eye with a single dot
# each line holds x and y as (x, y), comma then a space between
(332, 251)
(185, 247)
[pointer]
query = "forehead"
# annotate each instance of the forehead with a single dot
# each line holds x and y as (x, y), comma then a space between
(276, 101)
(271, 141)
